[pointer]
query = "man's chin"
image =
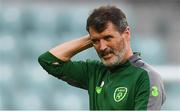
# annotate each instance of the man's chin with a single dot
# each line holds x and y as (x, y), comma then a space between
(110, 62)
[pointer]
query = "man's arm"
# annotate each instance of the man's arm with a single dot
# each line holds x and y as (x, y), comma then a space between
(68, 49)
(150, 94)
(57, 62)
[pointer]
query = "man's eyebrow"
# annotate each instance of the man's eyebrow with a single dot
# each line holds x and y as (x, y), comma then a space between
(108, 35)
(94, 39)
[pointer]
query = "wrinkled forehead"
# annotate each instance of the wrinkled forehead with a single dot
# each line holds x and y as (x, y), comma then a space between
(109, 30)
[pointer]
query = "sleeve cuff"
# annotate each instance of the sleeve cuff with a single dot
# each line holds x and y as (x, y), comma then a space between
(50, 58)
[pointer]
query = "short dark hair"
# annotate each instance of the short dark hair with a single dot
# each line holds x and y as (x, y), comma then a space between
(99, 18)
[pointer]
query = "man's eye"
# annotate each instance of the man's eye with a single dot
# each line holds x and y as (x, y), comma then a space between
(95, 42)
(108, 38)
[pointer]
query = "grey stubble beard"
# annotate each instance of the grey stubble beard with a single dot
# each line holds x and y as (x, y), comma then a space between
(117, 59)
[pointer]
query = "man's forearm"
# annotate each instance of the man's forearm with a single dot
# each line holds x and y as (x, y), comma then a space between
(68, 49)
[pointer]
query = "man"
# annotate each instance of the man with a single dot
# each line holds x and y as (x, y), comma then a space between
(121, 81)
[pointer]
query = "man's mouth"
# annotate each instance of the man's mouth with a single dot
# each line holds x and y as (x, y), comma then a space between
(107, 56)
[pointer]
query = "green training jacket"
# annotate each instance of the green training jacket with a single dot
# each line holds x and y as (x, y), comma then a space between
(134, 85)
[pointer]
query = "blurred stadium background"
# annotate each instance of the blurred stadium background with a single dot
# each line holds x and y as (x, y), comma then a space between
(28, 28)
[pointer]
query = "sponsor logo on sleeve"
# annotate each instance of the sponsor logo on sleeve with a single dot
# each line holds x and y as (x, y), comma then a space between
(155, 91)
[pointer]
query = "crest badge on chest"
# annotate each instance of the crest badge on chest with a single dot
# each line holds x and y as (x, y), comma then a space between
(120, 93)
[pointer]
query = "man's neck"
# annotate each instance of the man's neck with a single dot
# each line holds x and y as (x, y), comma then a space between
(127, 55)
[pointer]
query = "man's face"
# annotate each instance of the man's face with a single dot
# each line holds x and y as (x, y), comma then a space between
(111, 45)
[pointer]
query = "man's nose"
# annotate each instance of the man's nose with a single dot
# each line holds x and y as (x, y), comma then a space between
(103, 45)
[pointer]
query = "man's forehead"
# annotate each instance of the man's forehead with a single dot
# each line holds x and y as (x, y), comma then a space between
(109, 30)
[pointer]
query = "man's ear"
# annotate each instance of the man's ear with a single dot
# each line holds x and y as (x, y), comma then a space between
(127, 33)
